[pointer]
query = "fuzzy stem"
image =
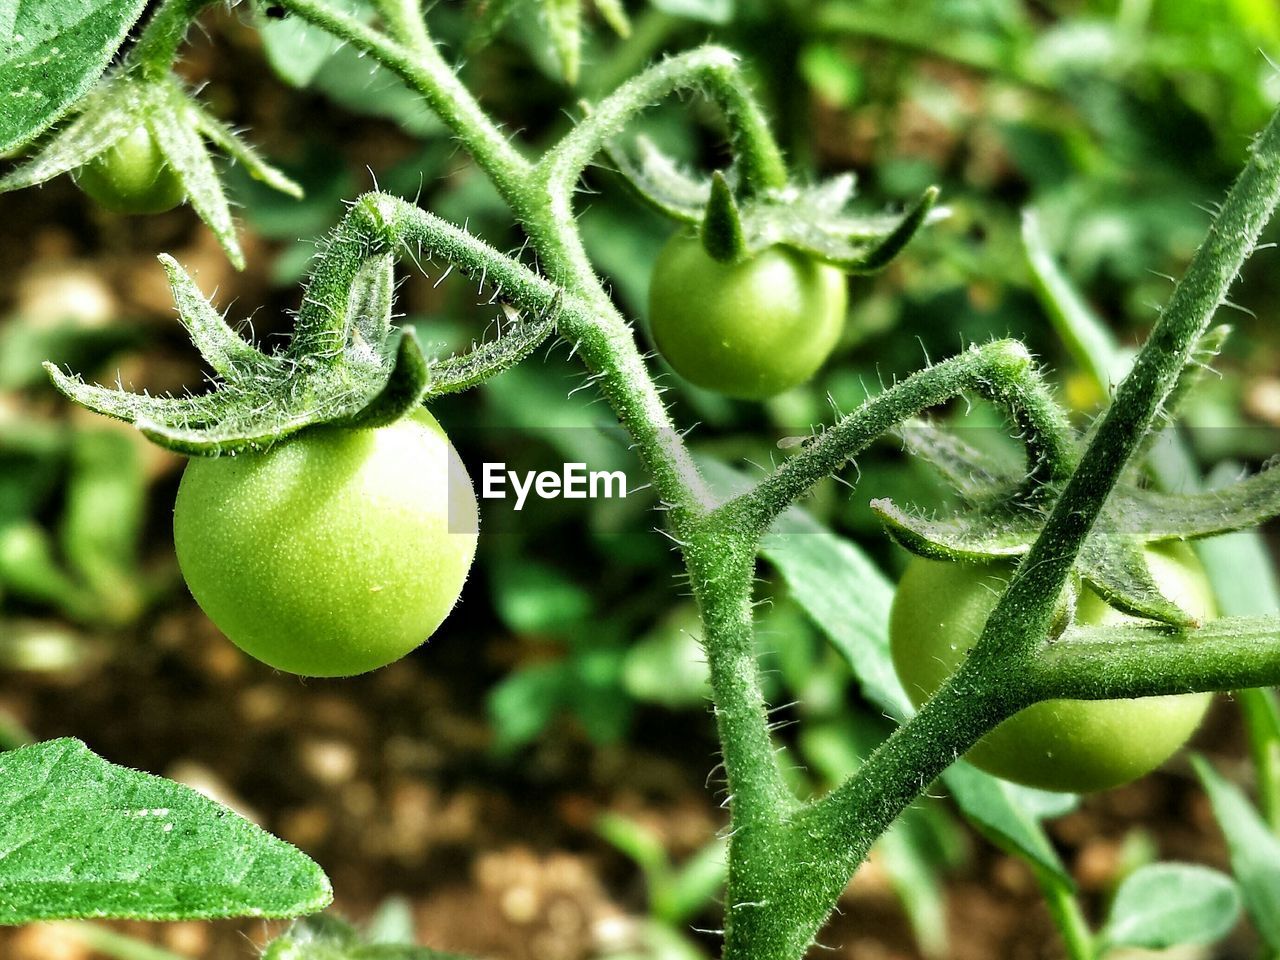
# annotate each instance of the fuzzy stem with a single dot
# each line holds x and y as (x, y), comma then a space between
(1120, 663)
(404, 18)
(1001, 371)
(714, 70)
(997, 677)
(426, 71)
(1068, 917)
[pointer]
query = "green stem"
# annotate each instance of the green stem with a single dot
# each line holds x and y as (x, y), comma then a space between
(1116, 663)
(118, 946)
(1067, 915)
(405, 19)
(426, 71)
(997, 677)
(158, 45)
(1002, 371)
(1262, 722)
(713, 70)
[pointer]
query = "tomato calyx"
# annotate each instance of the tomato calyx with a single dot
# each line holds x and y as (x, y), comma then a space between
(347, 364)
(179, 133)
(1002, 516)
(736, 223)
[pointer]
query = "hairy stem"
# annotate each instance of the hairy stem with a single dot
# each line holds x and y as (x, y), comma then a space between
(1002, 371)
(426, 71)
(1113, 663)
(713, 70)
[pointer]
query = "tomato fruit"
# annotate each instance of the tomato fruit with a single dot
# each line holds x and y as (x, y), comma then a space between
(333, 553)
(132, 176)
(1076, 746)
(749, 329)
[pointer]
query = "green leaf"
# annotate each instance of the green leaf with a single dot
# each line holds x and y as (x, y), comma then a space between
(1253, 848)
(693, 885)
(667, 666)
(83, 838)
(819, 567)
(535, 598)
(55, 52)
(704, 11)
(327, 938)
(1009, 816)
(1171, 904)
(102, 519)
(296, 48)
(915, 880)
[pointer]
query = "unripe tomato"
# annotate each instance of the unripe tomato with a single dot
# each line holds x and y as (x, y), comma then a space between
(1071, 745)
(132, 176)
(750, 329)
(333, 553)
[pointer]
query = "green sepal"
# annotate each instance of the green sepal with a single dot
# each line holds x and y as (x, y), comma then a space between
(564, 27)
(811, 219)
(484, 360)
(360, 371)
(996, 532)
(970, 472)
(614, 14)
(721, 230)
(1116, 568)
(1003, 516)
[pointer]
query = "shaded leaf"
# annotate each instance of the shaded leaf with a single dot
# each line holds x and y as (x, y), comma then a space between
(1001, 811)
(1254, 851)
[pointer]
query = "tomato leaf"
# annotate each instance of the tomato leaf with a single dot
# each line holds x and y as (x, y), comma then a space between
(326, 938)
(1009, 815)
(83, 838)
(51, 54)
(1171, 904)
(1254, 851)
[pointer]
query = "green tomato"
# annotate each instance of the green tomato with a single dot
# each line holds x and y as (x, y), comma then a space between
(132, 176)
(750, 329)
(1076, 746)
(334, 553)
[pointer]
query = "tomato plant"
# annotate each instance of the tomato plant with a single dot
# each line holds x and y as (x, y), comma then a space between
(317, 525)
(938, 614)
(132, 176)
(335, 552)
(748, 329)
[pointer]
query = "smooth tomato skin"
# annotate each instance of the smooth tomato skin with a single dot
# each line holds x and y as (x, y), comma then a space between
(1075, 746)
(131, 176)
(334, 553)
(748, 330)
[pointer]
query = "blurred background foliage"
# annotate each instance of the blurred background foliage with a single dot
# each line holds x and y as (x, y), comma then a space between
(1118, 123)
